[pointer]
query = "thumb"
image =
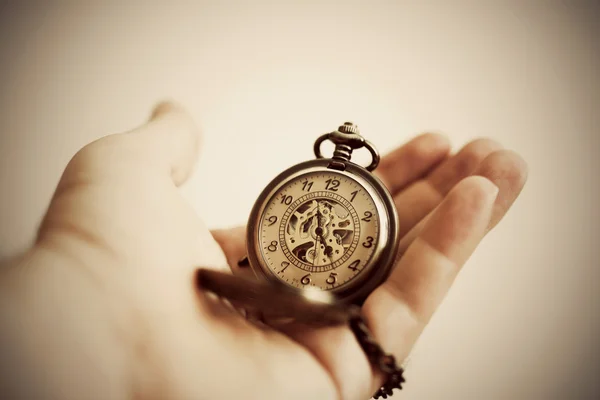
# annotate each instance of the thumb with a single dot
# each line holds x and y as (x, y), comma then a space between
(172, 137)
(167, 143)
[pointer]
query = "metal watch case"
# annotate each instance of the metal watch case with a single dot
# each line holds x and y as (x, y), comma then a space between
(346, 139)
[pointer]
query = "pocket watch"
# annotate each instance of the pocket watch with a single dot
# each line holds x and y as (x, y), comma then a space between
(326, 228)
(322, 235)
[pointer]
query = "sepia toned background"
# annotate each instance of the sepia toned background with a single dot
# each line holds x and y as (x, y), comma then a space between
(265, 78)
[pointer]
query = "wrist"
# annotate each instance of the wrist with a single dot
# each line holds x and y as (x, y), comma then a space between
(55, 340)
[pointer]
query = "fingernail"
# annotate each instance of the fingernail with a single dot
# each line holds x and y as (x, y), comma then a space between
(162, 108)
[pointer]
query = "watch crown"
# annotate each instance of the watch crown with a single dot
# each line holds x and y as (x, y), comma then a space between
(349, 127)
(346, 138)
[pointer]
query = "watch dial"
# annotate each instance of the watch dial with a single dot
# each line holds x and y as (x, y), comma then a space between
(319, 230)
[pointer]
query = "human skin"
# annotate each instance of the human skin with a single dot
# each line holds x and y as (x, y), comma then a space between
(103, 305)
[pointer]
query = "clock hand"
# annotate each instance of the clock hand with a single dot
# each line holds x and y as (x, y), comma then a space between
(318, 233)
(318, 217)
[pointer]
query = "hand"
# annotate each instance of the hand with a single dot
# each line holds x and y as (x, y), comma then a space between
(446, 203)
(104, 306)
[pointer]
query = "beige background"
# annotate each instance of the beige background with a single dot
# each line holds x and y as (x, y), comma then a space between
(265, 78)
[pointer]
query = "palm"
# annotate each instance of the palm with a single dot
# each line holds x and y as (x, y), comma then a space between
(135, 214)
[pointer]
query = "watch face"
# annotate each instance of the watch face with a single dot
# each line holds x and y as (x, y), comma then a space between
(319, 230)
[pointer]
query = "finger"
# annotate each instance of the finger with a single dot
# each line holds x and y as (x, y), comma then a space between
(505, 169)
(400, 308)
(412, 160)
(172, 133)
(233, 245)
(338, 351)
(167, 145)
(416, 201)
